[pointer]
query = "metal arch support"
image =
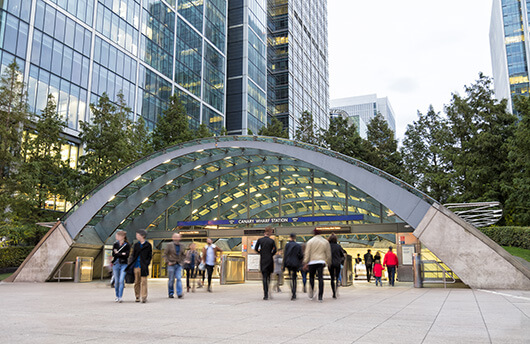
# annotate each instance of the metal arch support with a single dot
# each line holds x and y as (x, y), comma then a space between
(164, 203)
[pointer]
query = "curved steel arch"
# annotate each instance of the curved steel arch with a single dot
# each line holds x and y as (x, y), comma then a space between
(408, 203)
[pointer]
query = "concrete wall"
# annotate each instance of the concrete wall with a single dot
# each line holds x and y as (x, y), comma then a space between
(475, 258)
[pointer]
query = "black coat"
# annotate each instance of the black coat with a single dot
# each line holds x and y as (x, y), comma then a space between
(368, 259)
(293, 255)
(145, 253)
(337, 254)
(266, 248)
(123, 252)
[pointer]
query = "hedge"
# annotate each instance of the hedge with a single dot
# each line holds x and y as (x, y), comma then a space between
(13, 256)
(509, 236)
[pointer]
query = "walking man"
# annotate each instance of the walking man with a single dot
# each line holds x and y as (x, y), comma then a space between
(292, 260)
(391, 263)
(317, 254)
(141, 258)
(266, 247)
(174, 256)
(209, 254)
(368, 261)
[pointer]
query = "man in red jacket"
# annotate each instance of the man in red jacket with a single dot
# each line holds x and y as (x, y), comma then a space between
(391, 263)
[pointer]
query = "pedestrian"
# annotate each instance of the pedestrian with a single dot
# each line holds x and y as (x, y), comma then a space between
(120, 253)
(174, 255)
(266, 247)
(278, 263)
(378, 272)
(209, 256)
(141, 258)
(391, 262)
(337, 258)
(368, 262)
(377, 256)
(357, 261)
(191, 265)
(317, 254)
(292, 260)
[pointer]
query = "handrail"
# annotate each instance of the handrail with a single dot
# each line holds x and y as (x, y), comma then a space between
(446, 273)
(58, 276)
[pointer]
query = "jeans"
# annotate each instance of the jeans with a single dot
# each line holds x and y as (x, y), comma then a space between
(118, 270)
(378, 280)
(266, 278)
(369, 272)
(209, 270)
(313, 270)
(304, 276)
(334, 272)
(391, 274)
(293, 274)
(174, 271)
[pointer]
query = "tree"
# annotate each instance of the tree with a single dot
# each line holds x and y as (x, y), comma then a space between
(482, 128)
(381, 147)
(110, 140)
(425, 153)
(305, 131)
(344, 138)
(274, 129)
(173, 126)
(203, 131)
(13, 118)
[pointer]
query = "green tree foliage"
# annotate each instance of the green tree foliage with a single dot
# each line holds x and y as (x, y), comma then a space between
(203, 132)
(306, 131)
(13, 118)
(173, 126)
(482, 128)
(274, 129)
(425, 151)
(110, 140)
(381, 147)
(344, 138)
(517, 209)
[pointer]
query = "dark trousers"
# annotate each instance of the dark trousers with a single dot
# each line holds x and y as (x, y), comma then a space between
(209, 270)
(334, 273)
(293, 274)
(368, 272)
(266, 277)
(317, 269)
(304, 277)
(191, 273)
(391, 274)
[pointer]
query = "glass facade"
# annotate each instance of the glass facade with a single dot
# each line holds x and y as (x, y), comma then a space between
(298, 67)
(146, 49)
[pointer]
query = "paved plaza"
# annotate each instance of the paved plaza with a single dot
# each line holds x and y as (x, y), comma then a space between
(86, 313)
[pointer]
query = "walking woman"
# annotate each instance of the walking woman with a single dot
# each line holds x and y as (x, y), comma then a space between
(191, 265)
(120, 253)
(337, 258)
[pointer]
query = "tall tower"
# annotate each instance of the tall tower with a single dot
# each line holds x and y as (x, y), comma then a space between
(510, 50)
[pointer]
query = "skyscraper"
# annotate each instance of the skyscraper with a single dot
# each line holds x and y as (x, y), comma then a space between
(510, 50)
(298, 61)
(365, 107)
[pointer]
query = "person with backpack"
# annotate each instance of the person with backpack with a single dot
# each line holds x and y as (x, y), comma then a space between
(292, 260)
(120, 253)
(368, 261)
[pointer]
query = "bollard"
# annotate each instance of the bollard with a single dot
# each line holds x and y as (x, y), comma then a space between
(418, 278)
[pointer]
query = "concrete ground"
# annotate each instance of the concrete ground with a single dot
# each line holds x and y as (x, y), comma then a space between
(86, 313)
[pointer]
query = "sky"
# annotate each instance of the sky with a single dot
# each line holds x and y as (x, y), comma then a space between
(416, 52)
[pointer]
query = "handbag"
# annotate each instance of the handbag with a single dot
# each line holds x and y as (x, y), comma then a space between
(202, 266)
(129, 275)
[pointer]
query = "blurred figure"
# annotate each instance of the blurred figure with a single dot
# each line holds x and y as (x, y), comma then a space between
(391, 262)
(368, 262)
(120, 251)
(278, 263)
(357, 261)
(141, 258)
(174, 255)
(209, 256)
(303, 271)
(378, 272)
(191, 265)
(317, 254)
(337, 258)
(292, 260)
(266, 247)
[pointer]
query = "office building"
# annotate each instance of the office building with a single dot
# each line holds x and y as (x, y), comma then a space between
(366, 108)
(362, 130)
(510, 50)
(298, 61)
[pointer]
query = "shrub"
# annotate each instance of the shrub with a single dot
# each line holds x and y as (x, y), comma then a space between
(13, 256)
(509, 236)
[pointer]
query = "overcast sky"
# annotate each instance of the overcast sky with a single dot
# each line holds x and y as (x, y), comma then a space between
(416, 52)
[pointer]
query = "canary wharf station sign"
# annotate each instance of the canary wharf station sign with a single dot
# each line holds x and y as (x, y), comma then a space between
(273, 220)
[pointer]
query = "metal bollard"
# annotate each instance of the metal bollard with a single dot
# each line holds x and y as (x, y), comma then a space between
(418, 278)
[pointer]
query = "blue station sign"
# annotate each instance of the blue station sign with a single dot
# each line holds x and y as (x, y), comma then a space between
(274, 220)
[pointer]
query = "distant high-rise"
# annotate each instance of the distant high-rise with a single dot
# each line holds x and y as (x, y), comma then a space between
(365, 107)
(298, 61)
(510, 50)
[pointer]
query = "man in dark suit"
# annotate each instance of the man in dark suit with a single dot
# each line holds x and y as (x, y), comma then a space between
(266, 247)
(368, 261)
(292, 260)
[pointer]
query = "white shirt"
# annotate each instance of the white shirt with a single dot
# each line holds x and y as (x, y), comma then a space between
(210, 255)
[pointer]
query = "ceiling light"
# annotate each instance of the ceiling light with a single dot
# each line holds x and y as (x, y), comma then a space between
(169, 182)
(240, 185)
(167, 161)
(258, 195)
(113, 197)
(235, 206)
(196, 210)
(135, 179)
(196, 167)
(145, 200)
